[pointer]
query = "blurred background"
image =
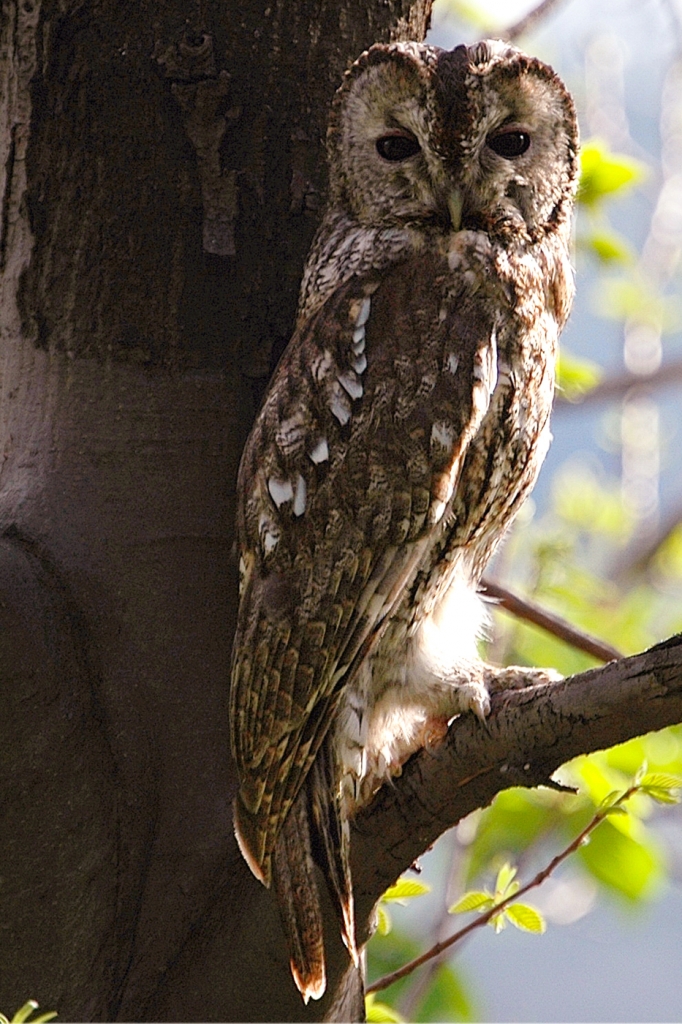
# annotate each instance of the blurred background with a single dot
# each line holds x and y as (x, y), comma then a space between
(600, 544)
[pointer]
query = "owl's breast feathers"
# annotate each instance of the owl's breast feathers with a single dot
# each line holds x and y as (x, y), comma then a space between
(406, 420)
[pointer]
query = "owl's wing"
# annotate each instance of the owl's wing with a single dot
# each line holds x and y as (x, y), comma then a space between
(344, 487)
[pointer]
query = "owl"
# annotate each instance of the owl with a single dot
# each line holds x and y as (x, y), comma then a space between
(402, 430)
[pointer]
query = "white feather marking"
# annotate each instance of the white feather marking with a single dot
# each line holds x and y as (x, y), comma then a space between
(339, 406)
(363, 315)
(359, 364)
(452, 362)
(270, 542)
(358, 335)
(300, 496)
(350, 383)
(320, 452)
(281, 491)
(269, 534)
(442, 313)
(357, 348)
(436, 511)
(442, 434)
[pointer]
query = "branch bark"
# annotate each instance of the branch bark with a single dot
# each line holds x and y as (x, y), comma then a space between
(528, 735)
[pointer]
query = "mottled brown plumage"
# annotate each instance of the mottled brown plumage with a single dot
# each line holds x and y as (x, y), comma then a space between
(402, 430)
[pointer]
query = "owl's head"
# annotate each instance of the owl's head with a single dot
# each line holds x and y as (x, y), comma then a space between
(481, 137)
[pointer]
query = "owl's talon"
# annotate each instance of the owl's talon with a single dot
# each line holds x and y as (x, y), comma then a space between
(434, 732)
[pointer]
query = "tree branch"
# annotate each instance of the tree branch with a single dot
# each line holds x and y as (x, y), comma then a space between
(529, 20)
(553, 624)
(438, 948)
(528, 735)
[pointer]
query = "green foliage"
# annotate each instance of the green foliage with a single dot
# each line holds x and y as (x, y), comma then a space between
(378, 1012)
(603, 173)
(576, 377)
(404, 889)
(522, 916)
(606, 819)
(25, 1012)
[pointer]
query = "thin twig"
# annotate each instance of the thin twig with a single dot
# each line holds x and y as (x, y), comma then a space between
(553, 624)
(479, 922)
(528, 21)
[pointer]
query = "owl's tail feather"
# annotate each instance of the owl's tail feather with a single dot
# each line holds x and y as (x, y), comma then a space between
(293, 876)
(332, 832)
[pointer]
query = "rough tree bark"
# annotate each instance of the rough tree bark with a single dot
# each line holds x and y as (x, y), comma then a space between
(161, 170)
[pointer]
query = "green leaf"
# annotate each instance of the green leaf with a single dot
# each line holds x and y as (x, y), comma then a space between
(472, 901)
(661, 796)
(575, 377)
(660, 786)
(620, 862)
(660, 780)
(609, 801)
(384, 923)
(24, 1012)
(505, 880)
(603, 173)
(528, 919)
(614, 809)
(378, 1013)
(405, 889)
(608, 247)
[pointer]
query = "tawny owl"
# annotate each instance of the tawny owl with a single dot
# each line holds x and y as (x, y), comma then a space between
(402, 430)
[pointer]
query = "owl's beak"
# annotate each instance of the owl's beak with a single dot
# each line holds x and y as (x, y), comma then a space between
(455, 204)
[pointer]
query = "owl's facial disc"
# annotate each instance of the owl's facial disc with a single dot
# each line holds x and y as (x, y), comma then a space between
(481, 138)
(383, 166)
(519, 147)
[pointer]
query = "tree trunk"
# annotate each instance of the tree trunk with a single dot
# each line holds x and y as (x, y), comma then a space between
(161, 172)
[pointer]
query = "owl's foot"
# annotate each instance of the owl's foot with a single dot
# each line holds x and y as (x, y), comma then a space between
(518, 677)
(474, 695)
(433, 732)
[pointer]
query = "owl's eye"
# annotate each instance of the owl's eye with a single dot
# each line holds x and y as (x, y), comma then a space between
(509, 144)
(398, 146)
